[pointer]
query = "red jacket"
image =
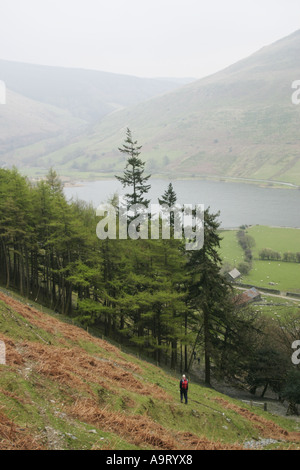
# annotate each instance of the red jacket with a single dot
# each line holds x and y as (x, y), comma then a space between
(184, 384)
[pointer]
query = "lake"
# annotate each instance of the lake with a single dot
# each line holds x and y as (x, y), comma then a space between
(238, 203)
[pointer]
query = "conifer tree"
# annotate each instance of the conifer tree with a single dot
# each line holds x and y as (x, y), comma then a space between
(134, 173)
(169, 197)
(208, 289)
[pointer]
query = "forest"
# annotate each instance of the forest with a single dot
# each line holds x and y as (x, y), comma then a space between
(152, 295)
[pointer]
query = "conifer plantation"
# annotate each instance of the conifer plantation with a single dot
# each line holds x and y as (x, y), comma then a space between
(152, 295)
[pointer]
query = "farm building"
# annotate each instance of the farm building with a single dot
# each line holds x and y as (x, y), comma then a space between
(233, 275)
(248, 296)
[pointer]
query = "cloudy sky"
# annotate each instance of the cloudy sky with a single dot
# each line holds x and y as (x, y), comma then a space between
(146, 38)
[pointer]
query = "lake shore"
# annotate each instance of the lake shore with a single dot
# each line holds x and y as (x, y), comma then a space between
(238, 203)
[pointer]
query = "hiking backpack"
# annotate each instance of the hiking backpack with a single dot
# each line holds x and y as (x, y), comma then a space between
(184, 384)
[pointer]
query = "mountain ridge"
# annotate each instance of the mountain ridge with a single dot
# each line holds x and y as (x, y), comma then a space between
(86, 94)
(239, 122)
(47, 107)
(236, 123)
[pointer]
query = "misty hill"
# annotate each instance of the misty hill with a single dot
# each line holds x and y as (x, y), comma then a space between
(47, 107)
(26, 122)
(62, 388)
(86, 94)
(239, 122)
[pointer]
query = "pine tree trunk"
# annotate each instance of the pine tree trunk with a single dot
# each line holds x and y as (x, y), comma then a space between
(206, 349)
(7, 263)
(185, 346)
(21, 271)
(174, 354)
(264, 390)
(27, 273)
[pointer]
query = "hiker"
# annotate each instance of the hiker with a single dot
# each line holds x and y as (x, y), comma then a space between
(184, 385)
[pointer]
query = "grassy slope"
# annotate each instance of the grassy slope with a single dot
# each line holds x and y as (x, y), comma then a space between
(47, 107)
(62, 388)
(285, 275)
(231, 251)
(86, 94)
(35, 126)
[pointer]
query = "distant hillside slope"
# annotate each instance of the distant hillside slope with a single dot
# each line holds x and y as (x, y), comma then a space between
(86, 94)
(26, 122)
(48, 107)
(62, 388)
(240, 122)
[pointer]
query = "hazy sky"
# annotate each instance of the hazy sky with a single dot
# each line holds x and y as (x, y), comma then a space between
(147, 38)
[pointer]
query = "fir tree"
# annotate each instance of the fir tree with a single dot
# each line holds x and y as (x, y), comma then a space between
(134, 173)
(169, 197)
(208, 289)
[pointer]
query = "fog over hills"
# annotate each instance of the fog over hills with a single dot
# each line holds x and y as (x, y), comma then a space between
(47, 106)
(87, 94)
(25, 122)
(239, 122)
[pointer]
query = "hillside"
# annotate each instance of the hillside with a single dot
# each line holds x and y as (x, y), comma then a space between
(240, 123)
(47, 107)
(87, 94)
(24, 122)
(62, 388)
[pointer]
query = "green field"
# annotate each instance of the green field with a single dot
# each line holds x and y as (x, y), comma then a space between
(284, 275)
(277, 308)
(231, 251)
(276, 238)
